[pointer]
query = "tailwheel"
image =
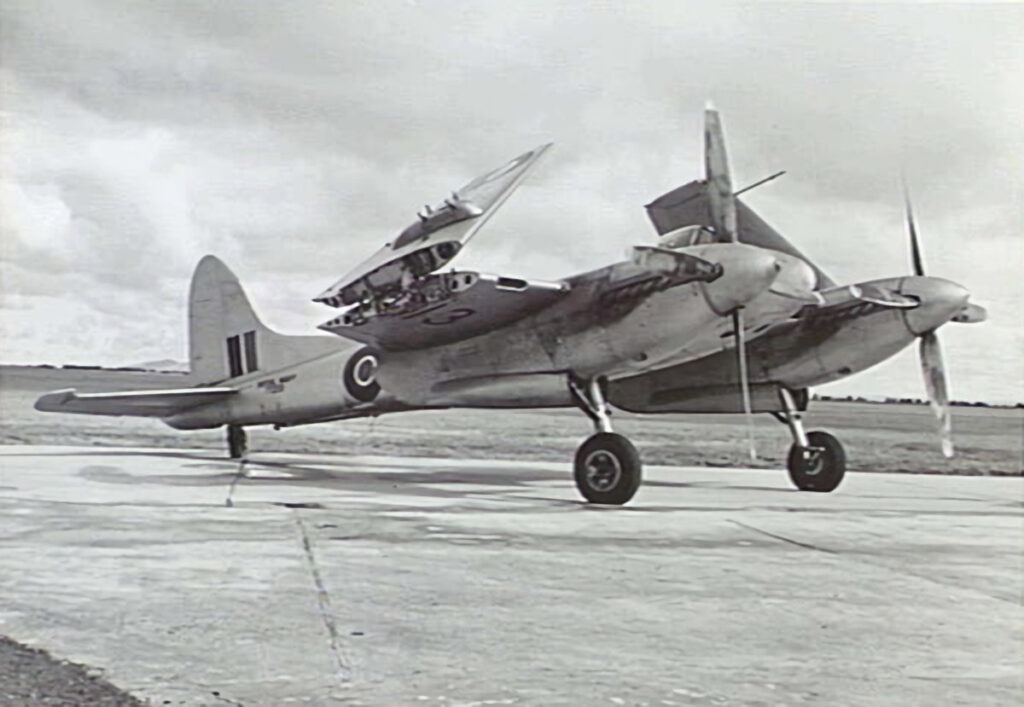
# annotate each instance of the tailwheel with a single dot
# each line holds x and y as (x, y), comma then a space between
(820, 465)
(237, 443)
(607, 469)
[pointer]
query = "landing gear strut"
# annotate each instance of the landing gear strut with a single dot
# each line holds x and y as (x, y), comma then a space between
(237, 444)
(816, 460)
(607, 468)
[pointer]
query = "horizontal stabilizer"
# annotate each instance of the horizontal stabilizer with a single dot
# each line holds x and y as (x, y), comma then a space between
(138, 403)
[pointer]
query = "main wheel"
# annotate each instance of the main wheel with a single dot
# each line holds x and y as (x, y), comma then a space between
(607, 469)
(820, 467)
(236, 441)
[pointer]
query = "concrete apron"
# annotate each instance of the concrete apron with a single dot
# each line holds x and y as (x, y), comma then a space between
(374, 580)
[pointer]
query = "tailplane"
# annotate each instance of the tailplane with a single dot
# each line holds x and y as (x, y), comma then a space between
(225, 337)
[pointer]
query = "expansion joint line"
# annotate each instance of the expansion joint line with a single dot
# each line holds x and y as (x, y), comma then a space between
(239, 473)
(783, 538)
(324, 604)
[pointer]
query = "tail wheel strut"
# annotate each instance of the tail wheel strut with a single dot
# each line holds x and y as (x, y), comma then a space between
(237, 442)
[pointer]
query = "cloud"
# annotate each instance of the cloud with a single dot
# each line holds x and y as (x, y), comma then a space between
(292, 139)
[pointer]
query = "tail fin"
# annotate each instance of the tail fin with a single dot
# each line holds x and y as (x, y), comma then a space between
(225, 337)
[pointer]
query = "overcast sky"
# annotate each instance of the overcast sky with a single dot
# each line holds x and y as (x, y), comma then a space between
(291, 139)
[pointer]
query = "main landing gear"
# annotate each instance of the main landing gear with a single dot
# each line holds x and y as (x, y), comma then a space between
(607, 467)
(237, 443)
(816, 460)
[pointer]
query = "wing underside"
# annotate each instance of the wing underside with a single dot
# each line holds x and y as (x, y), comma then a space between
(140, 403)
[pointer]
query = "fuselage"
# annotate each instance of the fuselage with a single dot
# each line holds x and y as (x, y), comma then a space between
(527, 364)
(613, 322)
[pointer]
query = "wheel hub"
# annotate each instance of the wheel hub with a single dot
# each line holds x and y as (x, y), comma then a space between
(603, 470)
(814, 461)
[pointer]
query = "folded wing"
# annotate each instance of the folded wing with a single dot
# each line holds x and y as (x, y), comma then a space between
(443, 308)
(689, 205)
(435, 238)
(396, 299)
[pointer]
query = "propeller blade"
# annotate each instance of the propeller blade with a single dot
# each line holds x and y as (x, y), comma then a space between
(935, 383)
(721, 201)
(741, 354)
(915, 247)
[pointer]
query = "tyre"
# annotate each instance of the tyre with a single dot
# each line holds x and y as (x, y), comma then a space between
(236, 441)
(607, 469)
(820, 469)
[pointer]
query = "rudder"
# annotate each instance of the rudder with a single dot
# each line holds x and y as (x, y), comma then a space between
(227, 339)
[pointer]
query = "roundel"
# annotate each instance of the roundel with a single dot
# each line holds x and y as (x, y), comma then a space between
(360, 375)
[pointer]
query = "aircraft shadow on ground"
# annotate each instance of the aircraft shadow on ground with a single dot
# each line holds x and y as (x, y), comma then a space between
(337, 473)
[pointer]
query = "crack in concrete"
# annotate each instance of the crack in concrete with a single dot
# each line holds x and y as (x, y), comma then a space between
(902, 571)
(784, 539)
(324, 604)
(239, 473)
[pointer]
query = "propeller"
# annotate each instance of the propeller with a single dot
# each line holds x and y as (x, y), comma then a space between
(722, 207)
(929, 350)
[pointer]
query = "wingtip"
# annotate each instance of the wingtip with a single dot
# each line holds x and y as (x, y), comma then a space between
(209, 262)
(52, 401)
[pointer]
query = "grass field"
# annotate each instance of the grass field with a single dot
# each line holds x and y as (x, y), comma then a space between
(878, 437)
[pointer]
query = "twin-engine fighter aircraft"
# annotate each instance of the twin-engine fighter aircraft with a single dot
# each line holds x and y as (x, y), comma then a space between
(721, 315)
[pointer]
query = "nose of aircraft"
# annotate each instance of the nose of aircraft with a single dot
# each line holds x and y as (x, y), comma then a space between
(940, 300)
(747, 271)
